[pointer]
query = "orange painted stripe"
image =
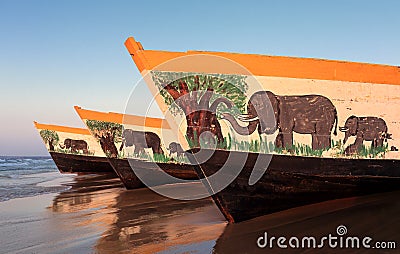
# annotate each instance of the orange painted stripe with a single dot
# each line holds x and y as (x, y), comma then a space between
(60, 128)
(276, 66)
(100, 116)
(122, 118)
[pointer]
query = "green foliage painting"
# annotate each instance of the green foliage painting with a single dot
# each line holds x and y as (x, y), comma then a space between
(107, 133)
(202, 98)
(232, 87)
(51, 137)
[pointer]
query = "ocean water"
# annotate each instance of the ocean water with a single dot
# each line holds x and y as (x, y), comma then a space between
(28, 176)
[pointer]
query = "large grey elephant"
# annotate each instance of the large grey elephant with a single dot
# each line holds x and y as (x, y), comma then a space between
(75, 145)
(141, 140)
(305, 114)
(367, 128)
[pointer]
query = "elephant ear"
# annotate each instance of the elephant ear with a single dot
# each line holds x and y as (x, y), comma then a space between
(355, 120)
(275, 103)
(269, 115)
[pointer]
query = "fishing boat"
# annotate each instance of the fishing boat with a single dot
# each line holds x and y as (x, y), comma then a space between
(292, 131)
(73, 150)
(137, 145)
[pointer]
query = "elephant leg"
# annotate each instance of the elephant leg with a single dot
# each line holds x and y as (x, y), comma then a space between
(157, 149)
(137, 149)
(287, 138)
(315, 141)
(352, 149)
(357, 145)
(279, 140)
(359, 140)
(327, 142)
(323, 135)
(321, 141)
(379, 142)
(141, 150)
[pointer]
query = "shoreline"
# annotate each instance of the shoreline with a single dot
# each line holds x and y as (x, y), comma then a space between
(97, 215)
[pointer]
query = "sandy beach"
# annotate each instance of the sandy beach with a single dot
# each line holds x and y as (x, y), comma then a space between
(376, 216)
(95, 214)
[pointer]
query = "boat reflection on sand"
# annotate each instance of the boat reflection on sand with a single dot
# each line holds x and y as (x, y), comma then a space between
(375, 216)
(139, 220)
(88, 191)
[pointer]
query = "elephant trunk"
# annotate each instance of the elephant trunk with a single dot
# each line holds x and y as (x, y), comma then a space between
(346, 133)
(346, 136)
(242, 130)
(336, 122)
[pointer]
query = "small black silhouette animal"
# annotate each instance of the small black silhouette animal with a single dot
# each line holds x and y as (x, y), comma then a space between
(141, 140)
(175, 148)
(75, 145)
(367, 128)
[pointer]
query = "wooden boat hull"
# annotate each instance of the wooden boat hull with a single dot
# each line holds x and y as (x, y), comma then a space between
(134, 127)
(292, 181)
(123, 168)
(73, 163)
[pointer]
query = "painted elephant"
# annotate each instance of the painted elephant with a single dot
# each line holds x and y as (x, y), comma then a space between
(306, 114)
(75, 145)
(365, 129)
(141, 140)
(175, 148)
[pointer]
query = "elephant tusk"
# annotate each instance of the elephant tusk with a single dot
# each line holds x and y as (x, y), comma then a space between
(245, 117)
(248, 119)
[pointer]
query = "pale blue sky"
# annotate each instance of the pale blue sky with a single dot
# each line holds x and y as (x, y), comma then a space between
(56, 54)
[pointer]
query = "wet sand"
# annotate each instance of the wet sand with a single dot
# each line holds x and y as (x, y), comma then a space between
(377, 216)
(97, 215)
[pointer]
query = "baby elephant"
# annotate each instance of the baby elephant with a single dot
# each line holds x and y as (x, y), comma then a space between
(367, 128)
(75, 145)
(175, 148)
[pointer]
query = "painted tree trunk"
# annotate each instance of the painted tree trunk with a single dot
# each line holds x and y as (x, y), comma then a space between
(200, 115)
(201, 122)
(108, 146)
(51, 146)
